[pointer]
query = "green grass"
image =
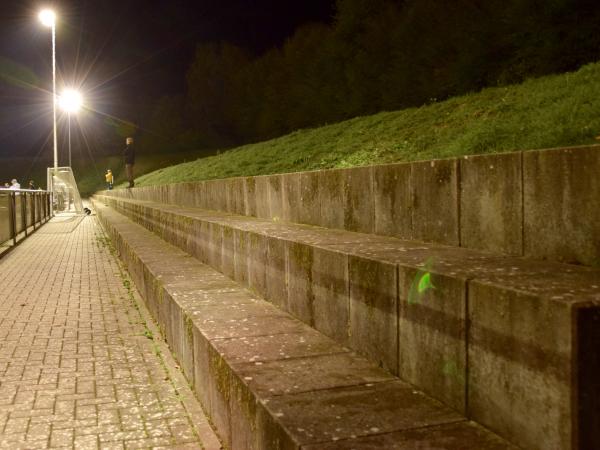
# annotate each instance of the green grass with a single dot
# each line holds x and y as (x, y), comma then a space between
(560, 110)
(90, 180)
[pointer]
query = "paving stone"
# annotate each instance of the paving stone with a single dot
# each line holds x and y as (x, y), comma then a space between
(79, 364)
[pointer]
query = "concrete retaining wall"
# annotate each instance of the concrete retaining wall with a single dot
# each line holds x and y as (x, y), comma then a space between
(541, 204)
(487, 324)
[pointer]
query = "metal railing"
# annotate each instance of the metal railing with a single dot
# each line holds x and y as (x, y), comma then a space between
(20, 210)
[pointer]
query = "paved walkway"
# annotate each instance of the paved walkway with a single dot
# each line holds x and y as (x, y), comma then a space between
(80, 366)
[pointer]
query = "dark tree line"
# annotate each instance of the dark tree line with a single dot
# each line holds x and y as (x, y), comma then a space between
(377, 55)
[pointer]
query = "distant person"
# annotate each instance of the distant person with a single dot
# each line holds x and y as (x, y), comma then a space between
(109, 179)
(14, 186)
(6, 185)
(32, 185)
(129, 155)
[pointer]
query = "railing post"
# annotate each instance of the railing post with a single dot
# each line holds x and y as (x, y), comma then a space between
(35, 213)
(24, 211)
(12, 215)
(33, 208)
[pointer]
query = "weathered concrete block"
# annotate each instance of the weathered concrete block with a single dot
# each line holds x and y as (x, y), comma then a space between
(200, 194)
(275, 189)
(331, 294)
(299, 268)
(219, 391)
(261, 189)
(163, 194)
(212, 194)
(359, 205)
(175, 328)
(273, 347)
(310, 373)
(295, 421)
(520, 365)
(250, 196)
(228, 252)
(201, 368)
(562, 204)
(183, 227)
(432, 334)
(290, 187)
(491, 205)
(196, 239)
(309, 208)
(453, 436)
(171, 193)
(240, 257)
(434, 190)
(183, 194)
(257, 263)
(243, 406)
(391, 195)
(222, 198)
(276, 281)
(187, 348)
(373, 311)
(332, 198)
(235, 196)
(150, 292)
(215, 245)
(225, 323)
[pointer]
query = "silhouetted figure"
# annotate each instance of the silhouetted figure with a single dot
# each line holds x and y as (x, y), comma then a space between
(129, 155)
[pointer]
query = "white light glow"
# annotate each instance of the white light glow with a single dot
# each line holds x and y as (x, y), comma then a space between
(47, 17)
(70, 101)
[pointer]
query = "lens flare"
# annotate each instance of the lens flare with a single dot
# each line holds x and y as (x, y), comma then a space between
(47, 17)
(70, 101)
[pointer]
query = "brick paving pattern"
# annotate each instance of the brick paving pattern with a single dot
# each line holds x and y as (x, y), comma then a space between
(78, 366)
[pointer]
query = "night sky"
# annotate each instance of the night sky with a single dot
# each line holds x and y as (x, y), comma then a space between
(121, 54)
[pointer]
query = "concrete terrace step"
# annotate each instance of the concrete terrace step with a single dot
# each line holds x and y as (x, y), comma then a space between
(483, 333)
(540, 203)
(267, 380)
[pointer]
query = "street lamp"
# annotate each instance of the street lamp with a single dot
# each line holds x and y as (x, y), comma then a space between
(70, 101)
(48, 18)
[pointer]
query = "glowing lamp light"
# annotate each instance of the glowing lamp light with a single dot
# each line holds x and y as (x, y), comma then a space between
(47, 17)
(70, 101)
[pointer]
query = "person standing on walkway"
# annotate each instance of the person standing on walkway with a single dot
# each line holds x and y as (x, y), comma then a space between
(15, 185)
(129, 155)
(109, 179)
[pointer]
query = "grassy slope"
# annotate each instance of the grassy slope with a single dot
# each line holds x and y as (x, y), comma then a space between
(553, 111)
(91, 180)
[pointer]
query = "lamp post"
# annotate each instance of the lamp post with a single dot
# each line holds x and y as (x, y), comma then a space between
(48, 18)
(70, 101)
